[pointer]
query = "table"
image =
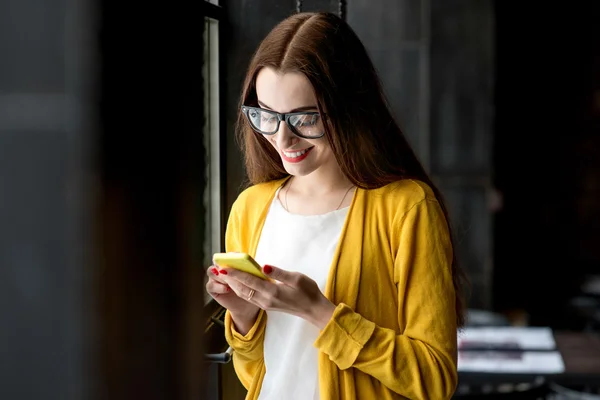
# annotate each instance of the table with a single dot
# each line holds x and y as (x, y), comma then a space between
(581, 355)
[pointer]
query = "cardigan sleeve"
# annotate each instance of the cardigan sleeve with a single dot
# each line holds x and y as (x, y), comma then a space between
(421, 361)
(248, 354)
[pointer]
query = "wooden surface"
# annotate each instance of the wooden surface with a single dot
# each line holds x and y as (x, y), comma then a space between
(580, 352)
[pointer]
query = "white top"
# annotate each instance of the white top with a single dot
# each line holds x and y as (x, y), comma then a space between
(305, 244)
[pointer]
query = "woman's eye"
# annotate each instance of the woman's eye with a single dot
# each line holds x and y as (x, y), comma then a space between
(308, 121)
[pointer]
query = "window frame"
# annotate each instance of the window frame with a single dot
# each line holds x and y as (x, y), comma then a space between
(214, 131)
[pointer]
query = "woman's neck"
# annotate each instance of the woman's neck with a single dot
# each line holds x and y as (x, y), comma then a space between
(320, 183)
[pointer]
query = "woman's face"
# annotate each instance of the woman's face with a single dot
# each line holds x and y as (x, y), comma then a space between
(293, 92)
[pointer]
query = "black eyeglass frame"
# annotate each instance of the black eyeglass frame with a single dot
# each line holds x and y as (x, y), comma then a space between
(282, 117)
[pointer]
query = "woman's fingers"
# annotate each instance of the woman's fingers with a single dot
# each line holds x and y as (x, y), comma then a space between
(214, 285)
(283, 276)
(216, 288)
(231, 276)
(242, 290)
(265, 298)
(220, 281)
(213, 273)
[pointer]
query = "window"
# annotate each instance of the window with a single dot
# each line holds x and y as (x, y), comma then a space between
(213, 231)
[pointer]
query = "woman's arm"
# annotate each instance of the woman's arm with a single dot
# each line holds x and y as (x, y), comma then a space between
(244, 333)
(419, 363)
(248, 350)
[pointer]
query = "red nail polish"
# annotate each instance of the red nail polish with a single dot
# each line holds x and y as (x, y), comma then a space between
(214, 271)
(267, 269)
(223, 272)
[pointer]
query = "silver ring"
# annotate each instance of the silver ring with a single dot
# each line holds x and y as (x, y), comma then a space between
(250, 295)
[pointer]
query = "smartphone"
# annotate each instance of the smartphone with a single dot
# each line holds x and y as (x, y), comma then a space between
(240, 261)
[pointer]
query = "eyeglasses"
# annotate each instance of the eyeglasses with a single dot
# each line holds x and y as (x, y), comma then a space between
(307, 125)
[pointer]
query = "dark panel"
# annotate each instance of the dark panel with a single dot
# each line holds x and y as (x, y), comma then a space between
(461, 109)
(32, 35)
(400, 71)
(385, 25)
(40, 295)
(43, 230)
(30, 111)
(472, 231)
(392, 34)
(462, 47)
(152, 186)
(546, 156)
(333, 6)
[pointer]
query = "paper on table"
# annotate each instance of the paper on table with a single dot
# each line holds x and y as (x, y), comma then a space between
(524, 338)
(548, 362)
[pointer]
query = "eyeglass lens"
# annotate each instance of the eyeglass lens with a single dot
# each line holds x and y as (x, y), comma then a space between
(308, 125)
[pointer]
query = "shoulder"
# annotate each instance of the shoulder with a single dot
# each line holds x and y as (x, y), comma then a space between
(256, 194)
(402, 195)
(411, 209)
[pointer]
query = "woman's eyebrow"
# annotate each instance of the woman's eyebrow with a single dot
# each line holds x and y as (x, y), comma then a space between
(305, 108)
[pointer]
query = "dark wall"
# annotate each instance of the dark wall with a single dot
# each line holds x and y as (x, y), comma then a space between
(396, 35)
(151, 219)
(462, 69)
(546, 155)
(45, 134)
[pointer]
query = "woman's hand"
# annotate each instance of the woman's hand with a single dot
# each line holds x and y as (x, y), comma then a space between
(242, 312)
(289, 292)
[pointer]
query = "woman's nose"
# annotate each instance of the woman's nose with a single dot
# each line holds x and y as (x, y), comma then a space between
(284, 137)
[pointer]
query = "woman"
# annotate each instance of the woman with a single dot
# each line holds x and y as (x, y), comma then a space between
(364, 299)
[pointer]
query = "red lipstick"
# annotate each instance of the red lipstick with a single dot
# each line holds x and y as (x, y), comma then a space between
(296, 159)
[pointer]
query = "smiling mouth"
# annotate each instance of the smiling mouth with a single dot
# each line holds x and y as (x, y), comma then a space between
(295, 156)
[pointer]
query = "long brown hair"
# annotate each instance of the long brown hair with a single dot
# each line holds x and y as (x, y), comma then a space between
(368, 144)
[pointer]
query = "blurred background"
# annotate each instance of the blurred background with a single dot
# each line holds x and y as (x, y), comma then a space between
(118, 166)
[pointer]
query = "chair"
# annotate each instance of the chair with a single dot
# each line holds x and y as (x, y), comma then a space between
(587, 309)
(559, 392)
(219, 358)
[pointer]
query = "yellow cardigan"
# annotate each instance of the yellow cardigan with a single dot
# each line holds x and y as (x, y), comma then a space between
(393, 333)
